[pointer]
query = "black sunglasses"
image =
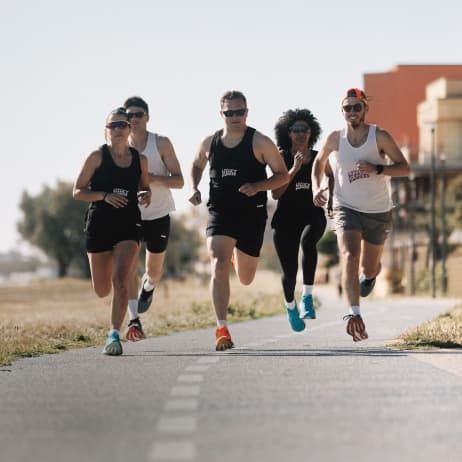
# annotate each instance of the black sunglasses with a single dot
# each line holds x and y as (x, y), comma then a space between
(234, 112)
(117, 124)
(299, 129)
(138, 114)
(358, 107)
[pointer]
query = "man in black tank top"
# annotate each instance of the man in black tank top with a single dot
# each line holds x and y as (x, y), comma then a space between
(237, 157)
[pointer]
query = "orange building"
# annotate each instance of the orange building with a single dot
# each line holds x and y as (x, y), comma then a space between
(395, 96)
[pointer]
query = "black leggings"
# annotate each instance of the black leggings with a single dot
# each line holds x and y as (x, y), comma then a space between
(287, 241)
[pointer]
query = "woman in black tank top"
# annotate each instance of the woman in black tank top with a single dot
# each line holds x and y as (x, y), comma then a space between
(296, 221)
(114, 178)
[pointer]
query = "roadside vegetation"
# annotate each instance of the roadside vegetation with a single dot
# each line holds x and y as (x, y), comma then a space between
(445, 331)
(54, 315)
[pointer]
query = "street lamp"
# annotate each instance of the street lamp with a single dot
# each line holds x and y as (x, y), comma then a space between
(412, 223)
(444, 278)
(433, 213)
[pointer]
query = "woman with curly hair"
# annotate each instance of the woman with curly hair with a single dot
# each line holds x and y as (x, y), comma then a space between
(297, 221)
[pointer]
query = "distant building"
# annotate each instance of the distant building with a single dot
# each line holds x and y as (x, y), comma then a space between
(394, 98)
(439, 119)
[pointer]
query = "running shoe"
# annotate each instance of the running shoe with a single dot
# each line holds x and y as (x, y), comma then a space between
(135, 331)
(307, 307)
(295, 321)
(144, 297)
(223, 339)
(356, 327)
(113, 346)
(365, 285)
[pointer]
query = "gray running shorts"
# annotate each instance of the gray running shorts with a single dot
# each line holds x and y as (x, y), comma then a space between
(374, 227)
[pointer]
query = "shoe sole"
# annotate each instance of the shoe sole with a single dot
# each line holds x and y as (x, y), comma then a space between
(357, 334)
(113, 349)
(224, 344)
(307, 316)
(135, 337)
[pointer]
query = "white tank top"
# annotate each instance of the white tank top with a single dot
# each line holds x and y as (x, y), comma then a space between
(161, 199)
(361, 192)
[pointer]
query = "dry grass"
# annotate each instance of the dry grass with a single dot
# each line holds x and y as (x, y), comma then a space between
(443, 332)
(54, 315)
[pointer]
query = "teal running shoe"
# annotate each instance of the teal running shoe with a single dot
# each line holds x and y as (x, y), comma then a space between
(113, 346)
(307, 307)
(295, 322)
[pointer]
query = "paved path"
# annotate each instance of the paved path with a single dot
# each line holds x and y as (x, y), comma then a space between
(314, 396)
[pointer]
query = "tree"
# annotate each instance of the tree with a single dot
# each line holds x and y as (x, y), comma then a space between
(53, 221)
(328, 246)
(183, 248)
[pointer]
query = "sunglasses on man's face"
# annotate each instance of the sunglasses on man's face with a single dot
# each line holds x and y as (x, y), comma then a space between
(117, 124)
(299, 129)
(138, 114)
(234, 112)
(358, 107)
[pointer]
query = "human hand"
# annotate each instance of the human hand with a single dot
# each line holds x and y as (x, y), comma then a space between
(365, 167)
(249, 189)
(144, 197)
(116, 200)
(319, 198)
(195, 198)
(298, 161)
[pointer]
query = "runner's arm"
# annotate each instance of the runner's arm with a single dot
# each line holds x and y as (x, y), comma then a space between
(319, 168)
(144, 195)
(167, 153)
(266, 152)
(82, 191)
(197, 169)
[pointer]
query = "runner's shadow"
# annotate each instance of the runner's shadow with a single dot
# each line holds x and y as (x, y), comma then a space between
(379, 352)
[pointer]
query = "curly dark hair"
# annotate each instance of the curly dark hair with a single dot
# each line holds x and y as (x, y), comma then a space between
(288, 118)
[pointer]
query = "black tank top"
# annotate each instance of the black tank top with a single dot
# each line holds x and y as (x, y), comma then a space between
(125, 181)
(297, 201)
(230, 168)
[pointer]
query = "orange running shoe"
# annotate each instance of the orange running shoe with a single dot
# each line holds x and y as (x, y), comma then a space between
(135, 331)
(356, 327)
(223, 339)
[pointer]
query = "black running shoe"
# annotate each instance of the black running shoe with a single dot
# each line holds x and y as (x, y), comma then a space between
(144, 297)
(365, 285)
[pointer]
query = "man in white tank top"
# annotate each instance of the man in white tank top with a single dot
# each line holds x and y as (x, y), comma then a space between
(362, 157)
(164, 174)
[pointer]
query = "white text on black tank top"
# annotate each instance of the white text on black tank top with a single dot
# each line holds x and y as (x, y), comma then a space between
(122, 192)
(300, 185)
(228, 172)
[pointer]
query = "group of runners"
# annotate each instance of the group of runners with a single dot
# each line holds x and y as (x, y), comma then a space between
(128, 183)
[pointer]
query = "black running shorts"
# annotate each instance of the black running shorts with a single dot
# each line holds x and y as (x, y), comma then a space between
(155, 233)
(247, 228)
(103, 235)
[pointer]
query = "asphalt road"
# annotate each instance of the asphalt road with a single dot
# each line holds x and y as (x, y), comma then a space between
(314, 396)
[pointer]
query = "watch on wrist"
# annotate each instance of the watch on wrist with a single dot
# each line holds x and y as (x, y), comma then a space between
(379, 169)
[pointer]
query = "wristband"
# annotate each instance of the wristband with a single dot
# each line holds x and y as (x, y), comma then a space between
(104, 196)
(379, 169)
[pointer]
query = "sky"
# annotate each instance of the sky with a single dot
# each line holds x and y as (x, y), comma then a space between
(66, 64)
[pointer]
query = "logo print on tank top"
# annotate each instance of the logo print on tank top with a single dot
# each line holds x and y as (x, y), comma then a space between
(228, 172)
(120, 191)
(354, 175)
(301, 185)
